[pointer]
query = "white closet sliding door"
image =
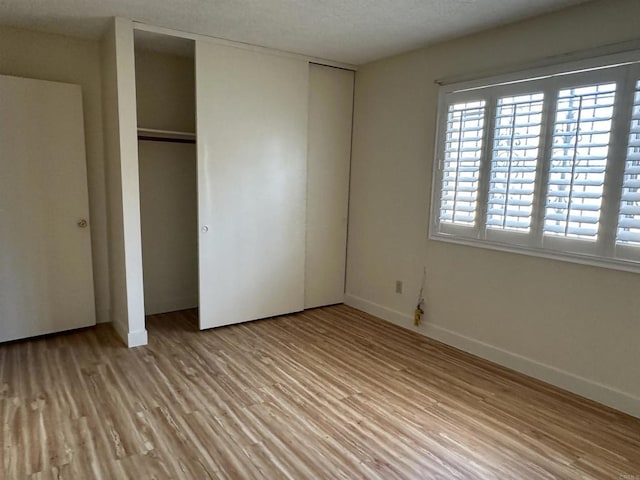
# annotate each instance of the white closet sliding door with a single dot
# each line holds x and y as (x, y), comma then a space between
(252, 162)
(330, 114)
(46, 276)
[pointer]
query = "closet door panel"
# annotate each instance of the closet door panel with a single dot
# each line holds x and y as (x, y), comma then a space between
(46, 275)
(252, 143)
(330, 115)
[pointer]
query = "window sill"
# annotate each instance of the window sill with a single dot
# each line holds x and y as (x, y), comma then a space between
(613, 264)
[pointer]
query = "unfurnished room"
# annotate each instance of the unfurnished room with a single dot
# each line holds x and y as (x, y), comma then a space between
(298, 239)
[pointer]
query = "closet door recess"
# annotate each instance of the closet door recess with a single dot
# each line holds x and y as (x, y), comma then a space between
(252, 162)
(330, 115)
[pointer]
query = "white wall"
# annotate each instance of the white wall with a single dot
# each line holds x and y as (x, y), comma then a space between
(165, 91)
(65, 59)
(572, 325)
(121, 158)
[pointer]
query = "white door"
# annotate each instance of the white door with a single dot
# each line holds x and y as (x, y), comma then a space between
(46, 278)
(252, 161)
(330, 114)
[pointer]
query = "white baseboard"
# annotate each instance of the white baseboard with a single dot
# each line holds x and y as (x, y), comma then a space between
(171, 305)
(138, 338)
(596, 391)
(103, 315)
(131, 339)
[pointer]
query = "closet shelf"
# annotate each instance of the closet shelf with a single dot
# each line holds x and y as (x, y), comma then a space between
(166, 135)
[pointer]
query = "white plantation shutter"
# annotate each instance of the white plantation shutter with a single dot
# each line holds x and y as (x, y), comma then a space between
(514, 162)
(629, 220)
(461, 163)
(544, 164)
(582, 130)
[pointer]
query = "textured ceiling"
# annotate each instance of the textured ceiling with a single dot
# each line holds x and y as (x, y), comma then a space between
(351, 31)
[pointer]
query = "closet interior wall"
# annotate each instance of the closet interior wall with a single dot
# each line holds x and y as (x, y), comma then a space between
(165, 91)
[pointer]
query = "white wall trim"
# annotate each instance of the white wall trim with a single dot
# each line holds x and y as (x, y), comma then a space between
(133, 339)
(632, 266)
(137, 339)
(245, 46)
(171, 305)
(129, 177)
(103, 314)
(590, 389)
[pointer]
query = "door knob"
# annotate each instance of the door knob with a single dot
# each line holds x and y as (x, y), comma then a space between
(205, 229)
(83, 223)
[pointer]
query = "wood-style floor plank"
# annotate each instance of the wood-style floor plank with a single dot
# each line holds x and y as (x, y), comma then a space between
(327, 393)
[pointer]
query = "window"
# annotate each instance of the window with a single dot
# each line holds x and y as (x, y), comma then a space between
(579, 154)
(462, 152)
(545, 163)
(514, 162)
(629, 221)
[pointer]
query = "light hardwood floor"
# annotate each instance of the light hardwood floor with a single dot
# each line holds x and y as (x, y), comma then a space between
(328, 393)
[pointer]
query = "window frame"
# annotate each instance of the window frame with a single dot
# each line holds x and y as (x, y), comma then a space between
(624, 70)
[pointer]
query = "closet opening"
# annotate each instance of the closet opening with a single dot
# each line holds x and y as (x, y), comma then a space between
(165, 97)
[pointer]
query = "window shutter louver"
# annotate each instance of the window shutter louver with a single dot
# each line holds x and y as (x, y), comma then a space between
(579, 155)
(629, 220)
(514, 162)
(544, 162)
(461, 163)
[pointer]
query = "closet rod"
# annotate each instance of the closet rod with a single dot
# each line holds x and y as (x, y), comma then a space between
(166, 139)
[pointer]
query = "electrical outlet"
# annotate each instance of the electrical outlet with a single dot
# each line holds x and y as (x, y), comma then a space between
(398, 286)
